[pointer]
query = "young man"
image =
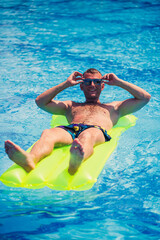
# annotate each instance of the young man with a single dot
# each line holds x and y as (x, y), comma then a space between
(89, 121)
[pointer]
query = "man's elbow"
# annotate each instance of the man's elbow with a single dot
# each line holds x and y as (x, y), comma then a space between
(147, 97)
(38, 102)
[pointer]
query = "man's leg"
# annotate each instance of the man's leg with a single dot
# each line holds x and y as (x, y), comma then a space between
(42, 148)
(82, 147)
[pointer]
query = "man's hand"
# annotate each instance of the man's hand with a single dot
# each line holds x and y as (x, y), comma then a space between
(111, 79)
(75, 78)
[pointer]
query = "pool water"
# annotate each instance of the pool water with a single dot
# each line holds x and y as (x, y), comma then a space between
(42, 43)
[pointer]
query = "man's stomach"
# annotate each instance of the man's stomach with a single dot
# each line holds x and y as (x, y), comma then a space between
(102, 122)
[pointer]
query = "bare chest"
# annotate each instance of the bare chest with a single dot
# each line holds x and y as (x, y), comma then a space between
(88, 110)
(99, 114)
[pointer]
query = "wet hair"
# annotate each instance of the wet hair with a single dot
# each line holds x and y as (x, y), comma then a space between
(92, 70)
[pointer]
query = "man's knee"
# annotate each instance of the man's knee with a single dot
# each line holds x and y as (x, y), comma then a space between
(47, 133)
(85, 136)
(92, 136)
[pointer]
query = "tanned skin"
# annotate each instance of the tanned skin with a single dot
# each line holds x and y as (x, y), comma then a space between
(91, 112)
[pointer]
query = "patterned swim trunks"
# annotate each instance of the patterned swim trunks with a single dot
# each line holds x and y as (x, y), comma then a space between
(76, 129)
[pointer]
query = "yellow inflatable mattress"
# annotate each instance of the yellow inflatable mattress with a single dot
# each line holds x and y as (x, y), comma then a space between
(52, 171)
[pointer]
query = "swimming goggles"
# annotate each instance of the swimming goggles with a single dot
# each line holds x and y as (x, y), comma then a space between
(89, 81)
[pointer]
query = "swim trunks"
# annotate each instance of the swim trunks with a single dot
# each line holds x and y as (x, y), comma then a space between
(76, 129)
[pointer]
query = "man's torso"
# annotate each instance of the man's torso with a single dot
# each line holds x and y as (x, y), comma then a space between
(103, 115)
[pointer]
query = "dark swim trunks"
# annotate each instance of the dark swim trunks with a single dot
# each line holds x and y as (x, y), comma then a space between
(76, 129)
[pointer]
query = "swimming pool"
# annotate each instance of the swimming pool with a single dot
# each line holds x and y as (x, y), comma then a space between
(41, 44)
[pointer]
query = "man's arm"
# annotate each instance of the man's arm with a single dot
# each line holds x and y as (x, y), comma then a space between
(46, 102)
(141, 97)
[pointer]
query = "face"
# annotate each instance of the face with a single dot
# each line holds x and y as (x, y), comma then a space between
(93, 91)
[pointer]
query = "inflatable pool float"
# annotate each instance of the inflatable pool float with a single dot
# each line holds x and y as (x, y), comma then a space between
(52, 171)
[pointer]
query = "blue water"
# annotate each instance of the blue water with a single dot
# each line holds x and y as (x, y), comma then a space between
(42, 43)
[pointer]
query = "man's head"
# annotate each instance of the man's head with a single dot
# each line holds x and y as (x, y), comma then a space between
(92, 71)
(92, 90)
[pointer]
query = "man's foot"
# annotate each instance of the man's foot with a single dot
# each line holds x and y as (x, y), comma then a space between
(77, 156)
(19, 156)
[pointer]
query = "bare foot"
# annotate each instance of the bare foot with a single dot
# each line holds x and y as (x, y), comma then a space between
(19, 156)
(77, 155)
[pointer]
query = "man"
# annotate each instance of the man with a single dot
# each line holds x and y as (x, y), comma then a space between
(89, 121)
